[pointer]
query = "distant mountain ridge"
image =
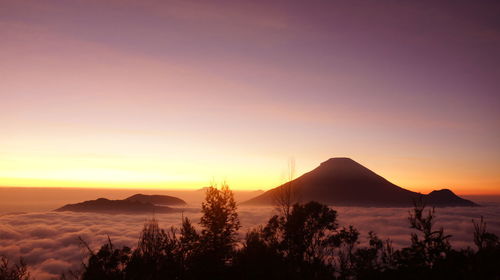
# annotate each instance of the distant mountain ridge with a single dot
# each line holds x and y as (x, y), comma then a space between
(157, 199)
(344, 182)
(138, 203)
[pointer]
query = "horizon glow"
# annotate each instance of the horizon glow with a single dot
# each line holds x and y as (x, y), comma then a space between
(177, 94)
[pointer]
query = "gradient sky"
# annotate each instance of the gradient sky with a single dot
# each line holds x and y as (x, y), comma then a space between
(175, 94)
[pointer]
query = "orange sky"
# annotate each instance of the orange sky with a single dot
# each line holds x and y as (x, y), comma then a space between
(175, 94)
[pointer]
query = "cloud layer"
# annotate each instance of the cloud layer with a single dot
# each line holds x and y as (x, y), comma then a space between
(48, 241)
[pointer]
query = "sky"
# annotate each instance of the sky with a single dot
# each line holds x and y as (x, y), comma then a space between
(177, 94)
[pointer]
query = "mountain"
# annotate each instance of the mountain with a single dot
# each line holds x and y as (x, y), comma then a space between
(344, 182)
(157, 199)
(447, 197)
(103, 205)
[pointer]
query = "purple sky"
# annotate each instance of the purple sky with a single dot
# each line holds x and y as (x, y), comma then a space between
(173, 93)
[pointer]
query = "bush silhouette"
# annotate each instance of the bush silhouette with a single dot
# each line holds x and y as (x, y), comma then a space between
(107, 263)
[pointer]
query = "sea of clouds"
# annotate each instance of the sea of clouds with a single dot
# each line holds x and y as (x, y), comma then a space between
(49, 241)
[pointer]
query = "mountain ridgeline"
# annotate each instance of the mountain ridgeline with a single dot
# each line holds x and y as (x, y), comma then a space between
(157, 199)
(138, 203)
(344, 182)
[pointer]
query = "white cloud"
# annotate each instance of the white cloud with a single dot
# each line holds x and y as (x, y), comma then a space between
(49, 240)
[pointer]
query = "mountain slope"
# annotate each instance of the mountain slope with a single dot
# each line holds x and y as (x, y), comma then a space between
(342, 181)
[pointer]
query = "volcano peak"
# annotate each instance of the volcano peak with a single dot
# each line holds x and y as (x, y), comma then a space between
(343, 181)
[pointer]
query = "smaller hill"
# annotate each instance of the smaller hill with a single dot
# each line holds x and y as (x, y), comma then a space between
(103, 205)
(157, 199)
(446, 197)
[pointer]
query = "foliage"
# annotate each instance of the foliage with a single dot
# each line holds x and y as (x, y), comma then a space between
(107, 263)
(483, 239)
(433, 245)
(16, 271)
(220, 221)
(157, 254)
(301, 239)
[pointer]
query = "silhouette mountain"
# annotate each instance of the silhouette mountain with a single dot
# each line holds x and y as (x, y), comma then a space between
(103, 205)
(157, 199)
(446, 197)
(344, 182)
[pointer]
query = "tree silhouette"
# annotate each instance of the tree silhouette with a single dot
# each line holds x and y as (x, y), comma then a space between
(220, 220)
(345, 240)
(482, 238)
(107, 263)
(189, 242)
(285, 196)
(220, 225)
(372, 261)
(157, 255)
(433, 245)
(301, 240)
(16, 271)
